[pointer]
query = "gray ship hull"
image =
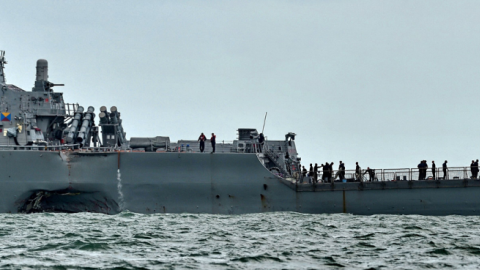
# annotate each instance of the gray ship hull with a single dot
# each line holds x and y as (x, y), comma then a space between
(205, 183)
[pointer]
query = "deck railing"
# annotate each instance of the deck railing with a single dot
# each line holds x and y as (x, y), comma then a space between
(39, 147)
(400, 174)
(56, 148)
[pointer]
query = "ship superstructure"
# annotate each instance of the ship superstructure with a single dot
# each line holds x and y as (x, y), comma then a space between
(31, 117)
(41, 118)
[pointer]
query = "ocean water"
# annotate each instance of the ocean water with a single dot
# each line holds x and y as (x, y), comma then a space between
(254, 241)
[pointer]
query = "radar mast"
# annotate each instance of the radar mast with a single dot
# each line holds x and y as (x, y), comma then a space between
(2, 66)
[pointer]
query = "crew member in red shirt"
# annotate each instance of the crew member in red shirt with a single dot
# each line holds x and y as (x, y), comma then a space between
(202, 140)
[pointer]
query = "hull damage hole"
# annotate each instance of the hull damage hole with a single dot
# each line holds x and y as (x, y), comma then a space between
(67, 201)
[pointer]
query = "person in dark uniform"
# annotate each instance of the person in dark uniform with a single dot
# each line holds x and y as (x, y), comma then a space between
(315, 173)
(472, 168)
(202, 140)
(340, 173)
(358, 172)
(424, 169)
(304, 173)
(434, 169)
(475, 165)
(420, 171)
(371, 173)
(261, 141)
(310, 174)
(213, 141)
(445, 170)
(325, 172)
(330, 173)
(341, 169)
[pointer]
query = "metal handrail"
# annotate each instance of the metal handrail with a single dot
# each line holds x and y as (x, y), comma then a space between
(403, 174)
(39, 147)
(63, 147)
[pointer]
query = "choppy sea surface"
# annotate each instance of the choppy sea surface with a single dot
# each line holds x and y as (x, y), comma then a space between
(254, 241)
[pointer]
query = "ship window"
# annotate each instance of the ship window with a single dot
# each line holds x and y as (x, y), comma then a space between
(280, 148)
(28, 133)
(113, 137)
(108, 137)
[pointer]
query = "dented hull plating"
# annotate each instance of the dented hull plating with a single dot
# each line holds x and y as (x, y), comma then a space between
(204, 183)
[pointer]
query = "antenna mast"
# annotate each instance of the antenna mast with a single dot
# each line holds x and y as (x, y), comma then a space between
(264, 120)
(2, 66)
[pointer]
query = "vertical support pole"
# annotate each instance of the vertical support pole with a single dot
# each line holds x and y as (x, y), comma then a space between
(118, 160)
(344, 202)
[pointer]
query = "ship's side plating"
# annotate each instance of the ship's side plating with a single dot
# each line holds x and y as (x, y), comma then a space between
(204, 183)
(238, 184)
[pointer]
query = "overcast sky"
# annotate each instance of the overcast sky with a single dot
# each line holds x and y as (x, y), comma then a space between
(384, 83)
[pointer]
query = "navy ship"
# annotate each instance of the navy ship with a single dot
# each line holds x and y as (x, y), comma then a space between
(55, 158)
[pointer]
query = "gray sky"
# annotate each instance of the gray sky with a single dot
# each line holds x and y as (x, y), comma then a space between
(385, 83)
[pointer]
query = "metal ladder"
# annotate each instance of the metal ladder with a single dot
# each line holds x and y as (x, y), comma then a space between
(271, 155)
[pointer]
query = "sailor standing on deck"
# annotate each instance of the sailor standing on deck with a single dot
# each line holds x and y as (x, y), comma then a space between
(424, 168)
(212, 140)
(445, 170)
(474, 169)
(315, 173)
(371, 173)
(310, 174)
(261, 141)
(330, 173)
(325, 172)
(202, 140)
(304, 173)
(434, 169)
(358, 173)
(341, 169)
